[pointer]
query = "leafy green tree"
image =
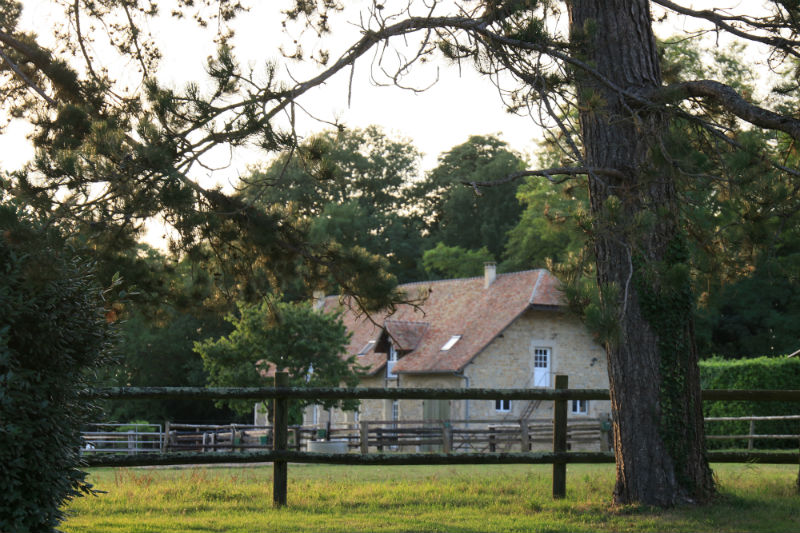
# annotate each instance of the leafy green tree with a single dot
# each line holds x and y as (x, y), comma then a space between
(352, 187)
(550, 225)
(308, 344)
(453, 213)
(450, 262)
(53, 336)
(161, 353)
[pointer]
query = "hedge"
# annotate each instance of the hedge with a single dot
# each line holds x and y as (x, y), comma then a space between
(756, 373)
(53, 336)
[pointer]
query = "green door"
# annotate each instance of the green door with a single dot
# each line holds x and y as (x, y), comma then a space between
(434, 411)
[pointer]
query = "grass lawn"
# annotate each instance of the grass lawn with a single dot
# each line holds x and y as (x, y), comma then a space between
(419, 498)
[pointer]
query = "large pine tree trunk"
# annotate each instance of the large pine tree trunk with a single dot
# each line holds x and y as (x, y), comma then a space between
(641, 262)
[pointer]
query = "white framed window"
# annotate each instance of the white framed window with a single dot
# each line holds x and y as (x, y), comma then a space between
(390, 373)
(580, 407)
(367, 347)
(356, 416)
(451, 342)
(541, 367)
(502, 406)
(315, 415)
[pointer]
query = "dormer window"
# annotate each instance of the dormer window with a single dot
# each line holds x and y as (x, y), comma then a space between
(450, 343)
(367, 347)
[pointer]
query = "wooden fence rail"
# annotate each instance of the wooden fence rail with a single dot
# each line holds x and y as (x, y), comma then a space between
(280, 456)
(372, 393)
(452, 435)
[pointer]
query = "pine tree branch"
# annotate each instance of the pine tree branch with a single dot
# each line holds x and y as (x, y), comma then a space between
(725, 22)
(732, 101)
(546, 173)
(64, 80)
(29, 82)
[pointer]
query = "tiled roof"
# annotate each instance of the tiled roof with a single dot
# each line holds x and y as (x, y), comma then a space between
(405, 335)
(451, 307)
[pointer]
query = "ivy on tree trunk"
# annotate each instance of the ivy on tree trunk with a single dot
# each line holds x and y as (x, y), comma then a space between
(655, 388)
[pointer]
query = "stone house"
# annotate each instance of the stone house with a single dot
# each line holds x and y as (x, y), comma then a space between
(496, 331)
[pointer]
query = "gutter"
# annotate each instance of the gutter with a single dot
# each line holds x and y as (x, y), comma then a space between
(466, 405)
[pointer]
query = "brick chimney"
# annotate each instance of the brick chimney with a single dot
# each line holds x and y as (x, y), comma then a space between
(489, 273)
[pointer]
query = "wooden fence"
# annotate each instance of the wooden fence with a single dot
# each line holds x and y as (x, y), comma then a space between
(280, 455)
(449, 436)
(122, 438)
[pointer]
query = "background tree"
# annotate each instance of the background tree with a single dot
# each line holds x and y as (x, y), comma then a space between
(351, 187)
(448, 262)
(293, 337)
(550, 227)
(454, 214)
(160, 353)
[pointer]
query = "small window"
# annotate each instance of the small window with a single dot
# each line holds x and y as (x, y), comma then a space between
(367, 347)
(450, 343)
(502, 406)
(580, 407)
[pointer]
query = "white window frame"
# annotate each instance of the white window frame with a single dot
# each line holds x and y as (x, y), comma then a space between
(579, 407)
(391, 361)
(502, 406)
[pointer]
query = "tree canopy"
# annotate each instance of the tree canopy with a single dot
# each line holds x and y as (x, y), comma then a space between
(290, 337)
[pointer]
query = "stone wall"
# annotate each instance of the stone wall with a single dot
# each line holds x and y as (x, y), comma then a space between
(508, 363)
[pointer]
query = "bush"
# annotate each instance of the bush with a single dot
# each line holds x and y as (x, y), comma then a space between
(53, 335)
(757, 373)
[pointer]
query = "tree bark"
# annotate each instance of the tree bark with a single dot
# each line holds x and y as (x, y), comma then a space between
(641, 264)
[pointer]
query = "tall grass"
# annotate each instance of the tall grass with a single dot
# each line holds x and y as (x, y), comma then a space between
(436, 498)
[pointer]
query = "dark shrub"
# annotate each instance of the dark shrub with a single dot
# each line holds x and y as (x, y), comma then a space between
(53, 335)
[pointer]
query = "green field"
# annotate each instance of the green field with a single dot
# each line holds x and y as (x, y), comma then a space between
(416, 498)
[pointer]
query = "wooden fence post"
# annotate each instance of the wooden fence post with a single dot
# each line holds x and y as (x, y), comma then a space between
(524, 437)
(447, 443)
(752, 432)
(280, 436)
(165, 438)
(379, 431)
(560, 440)
(364, 437)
